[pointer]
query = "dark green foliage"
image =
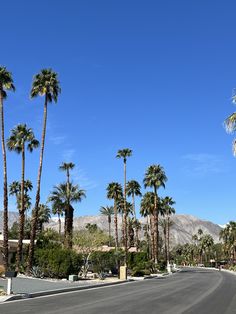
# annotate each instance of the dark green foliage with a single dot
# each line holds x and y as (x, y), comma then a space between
(57, 262)
(136, 258)
(103, 262)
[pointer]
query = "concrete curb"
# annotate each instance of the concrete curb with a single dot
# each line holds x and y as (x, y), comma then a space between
(56, 291)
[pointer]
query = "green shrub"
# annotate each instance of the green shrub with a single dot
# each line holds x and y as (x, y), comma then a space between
(57, 262)
(103, 261)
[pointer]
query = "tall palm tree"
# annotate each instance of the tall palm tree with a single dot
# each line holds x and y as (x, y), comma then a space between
(124, 154)
(67, 166)
(147, 210)
(62, 195)
(114, 192)
(155, 178)
(168, 202)
(6, 84)
(20, 136)
(108, 211)
(44, 84)
(134, 189)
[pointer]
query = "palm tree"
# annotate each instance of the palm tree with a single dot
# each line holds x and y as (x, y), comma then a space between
(147, 210)
(6, 83)
(134, 189)
(43, 216)
(64, 196)
(114, 192)
(57, 209)
(168, 202)
(44, 84)
(124, 153)
(155, 178)
(67, 166)
(21, 135)
(15, 189)
(108, 211)
(228, 235)
(230, 124)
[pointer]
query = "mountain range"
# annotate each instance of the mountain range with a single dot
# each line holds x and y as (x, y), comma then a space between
(182, 230)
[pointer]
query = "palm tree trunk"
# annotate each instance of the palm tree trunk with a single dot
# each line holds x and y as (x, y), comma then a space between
(116, 225)
(21, 213)
(67, 213)
(69, 225)
(168, 239)
(148, 238)
(59, 224)
(109, 229)
(36, 208)
(125, 217)
(165, 240)
(152, 236)
(5, 193)
(136, 227)
(156, 229)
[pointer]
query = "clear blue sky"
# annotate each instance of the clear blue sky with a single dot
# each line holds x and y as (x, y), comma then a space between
(154, 76)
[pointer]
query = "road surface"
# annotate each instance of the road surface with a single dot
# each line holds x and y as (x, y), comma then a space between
(195, 291)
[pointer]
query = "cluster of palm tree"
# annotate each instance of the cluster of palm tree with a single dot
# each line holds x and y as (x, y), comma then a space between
(46, 84)
(201, 251)
(228, 236)
(151, 207)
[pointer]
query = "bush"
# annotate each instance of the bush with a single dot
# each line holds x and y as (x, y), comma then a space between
(137, 258)
(56, 262)
(103, 261)
(137, 272)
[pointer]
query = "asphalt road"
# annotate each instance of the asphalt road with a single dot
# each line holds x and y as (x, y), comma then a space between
(190, 291)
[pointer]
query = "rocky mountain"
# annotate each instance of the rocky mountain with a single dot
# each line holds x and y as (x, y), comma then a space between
(182, 230)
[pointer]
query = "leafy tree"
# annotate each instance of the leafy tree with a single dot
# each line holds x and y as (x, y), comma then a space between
(124, 154)
(44, 84)
(114, 192)
(6, 84)
(88, 241)
(155, 178)
(108, 211)
(20, 136)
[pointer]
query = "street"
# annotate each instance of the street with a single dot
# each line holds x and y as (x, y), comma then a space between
(195, 291)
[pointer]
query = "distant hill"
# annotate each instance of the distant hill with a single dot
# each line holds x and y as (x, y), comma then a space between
(184, 227)
(181, 232)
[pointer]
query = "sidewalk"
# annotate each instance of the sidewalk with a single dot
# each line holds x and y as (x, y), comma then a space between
(33, 287)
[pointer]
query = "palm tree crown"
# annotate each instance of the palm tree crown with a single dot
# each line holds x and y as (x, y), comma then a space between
(114, 191)
(60, 193)
(19, 136)
(6, 81)
(124, 153)
(155, 177)
(46, 83)
(133, 188)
